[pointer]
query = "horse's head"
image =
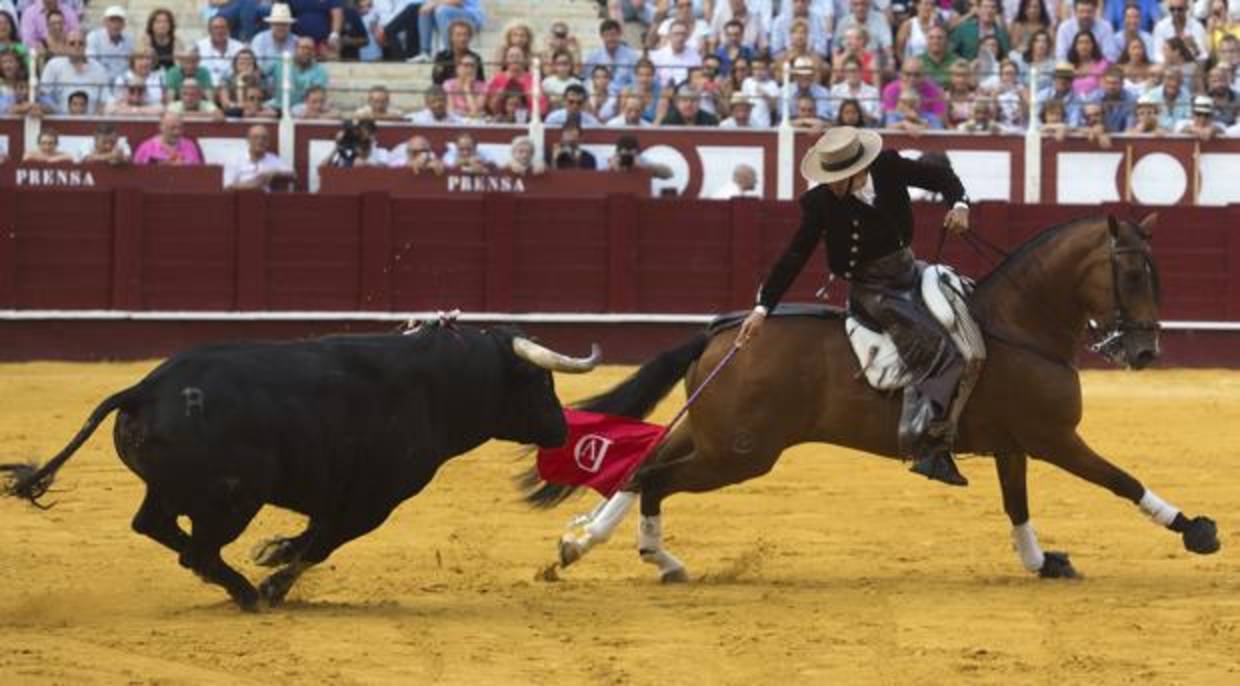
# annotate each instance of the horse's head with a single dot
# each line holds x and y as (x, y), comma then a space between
(1122, 294)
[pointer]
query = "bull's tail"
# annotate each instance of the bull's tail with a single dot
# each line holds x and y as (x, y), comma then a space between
(25, 481)
(635, 397)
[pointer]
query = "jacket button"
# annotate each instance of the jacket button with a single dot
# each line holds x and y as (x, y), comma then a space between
(847, 275)
(855, 248)
(852, 263)
(856, 235)
(856, 222)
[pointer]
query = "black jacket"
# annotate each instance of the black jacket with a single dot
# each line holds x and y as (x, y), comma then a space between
(854, 232)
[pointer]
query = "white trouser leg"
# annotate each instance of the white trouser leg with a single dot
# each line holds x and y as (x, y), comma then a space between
(650, 547)
(598, 526)
(1158, 509)
(1026, 543)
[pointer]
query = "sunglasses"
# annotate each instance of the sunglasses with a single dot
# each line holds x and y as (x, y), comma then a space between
(1177, 10)
(574, 101)
(74, 43)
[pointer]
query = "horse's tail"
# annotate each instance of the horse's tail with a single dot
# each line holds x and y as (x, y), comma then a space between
(25, 481)
(635, 397)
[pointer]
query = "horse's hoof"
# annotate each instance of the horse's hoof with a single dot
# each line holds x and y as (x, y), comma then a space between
(273, 552)
(570, 552)
(675, 576)
(1201, 536)
(1057, 566)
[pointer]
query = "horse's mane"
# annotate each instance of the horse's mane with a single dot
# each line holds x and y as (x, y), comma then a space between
(1018, 256)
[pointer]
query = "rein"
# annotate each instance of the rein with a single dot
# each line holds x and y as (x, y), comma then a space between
(1107, 343)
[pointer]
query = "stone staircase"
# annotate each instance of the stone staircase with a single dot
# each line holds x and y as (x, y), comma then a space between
(349, 81)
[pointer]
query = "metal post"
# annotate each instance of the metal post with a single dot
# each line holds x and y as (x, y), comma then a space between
(287, 128)
(537, 131)
(32, 123)
(1033, 144)
(785, 144)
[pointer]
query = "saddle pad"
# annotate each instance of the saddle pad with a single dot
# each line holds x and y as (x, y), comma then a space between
(876, 352)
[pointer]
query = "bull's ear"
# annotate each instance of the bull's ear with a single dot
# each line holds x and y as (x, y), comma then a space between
(1113, 227)
(1147, 225)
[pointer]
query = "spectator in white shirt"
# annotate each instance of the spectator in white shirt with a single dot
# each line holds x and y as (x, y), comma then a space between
(861, 13)
(218, 49)
(763, 91)
(744, 184)
(1177, 24)
(73, 73)
(851, 87)
(699, 29)
(740, 109)
(1085, 18)
(755, 28)
(111, 45)
(630, 113)
(674, 59)
(270, 45)
(819, 26)
(258, 167)
(436, 109)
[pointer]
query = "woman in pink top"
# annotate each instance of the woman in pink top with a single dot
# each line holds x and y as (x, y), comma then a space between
(1089, 63)
(467, 95)
(168, 146)
(516, 71)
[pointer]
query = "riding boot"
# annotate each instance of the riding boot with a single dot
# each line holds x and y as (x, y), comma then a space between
(939, 466)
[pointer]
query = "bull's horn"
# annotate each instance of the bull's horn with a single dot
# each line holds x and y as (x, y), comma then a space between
(557, 362)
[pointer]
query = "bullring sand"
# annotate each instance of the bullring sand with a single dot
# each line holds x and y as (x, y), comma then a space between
(836, 568)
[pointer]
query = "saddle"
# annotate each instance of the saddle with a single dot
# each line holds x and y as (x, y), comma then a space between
(944, 293)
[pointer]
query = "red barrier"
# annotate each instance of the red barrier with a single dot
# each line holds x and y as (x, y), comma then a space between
(130, 250)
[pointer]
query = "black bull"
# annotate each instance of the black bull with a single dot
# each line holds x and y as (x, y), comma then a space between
(341, 429)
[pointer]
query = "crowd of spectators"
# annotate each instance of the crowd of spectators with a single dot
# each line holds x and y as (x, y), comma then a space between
(1102, 66)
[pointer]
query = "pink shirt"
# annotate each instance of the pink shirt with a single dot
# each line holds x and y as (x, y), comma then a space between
(153, 151)
(34, 22)
(1092, 80)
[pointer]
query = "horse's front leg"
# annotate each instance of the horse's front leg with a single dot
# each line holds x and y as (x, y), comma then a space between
(1048, 565)
(1200, 534)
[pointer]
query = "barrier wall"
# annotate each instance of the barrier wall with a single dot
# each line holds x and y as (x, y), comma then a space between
(1169, 170)
(192, 261)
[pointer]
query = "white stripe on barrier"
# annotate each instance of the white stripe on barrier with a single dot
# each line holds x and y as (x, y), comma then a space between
(363, 316)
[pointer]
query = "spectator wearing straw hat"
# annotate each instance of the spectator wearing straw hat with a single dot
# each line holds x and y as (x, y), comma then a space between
(271, 44)
(111, 45)
(804, 84)
(687, 110)
(1201, 124)
(1061, 90)
(740, 107)
(1149, 111)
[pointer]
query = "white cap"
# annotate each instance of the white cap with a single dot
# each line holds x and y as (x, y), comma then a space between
(114, 12)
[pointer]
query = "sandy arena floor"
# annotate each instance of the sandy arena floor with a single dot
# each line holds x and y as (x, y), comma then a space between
(836, 568)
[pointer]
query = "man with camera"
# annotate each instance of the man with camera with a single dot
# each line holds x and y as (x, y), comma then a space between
(568, 153)
(628, 157)
(356, 146)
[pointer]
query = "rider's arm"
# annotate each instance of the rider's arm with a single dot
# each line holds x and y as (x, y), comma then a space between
(795, 255)
(932, 177)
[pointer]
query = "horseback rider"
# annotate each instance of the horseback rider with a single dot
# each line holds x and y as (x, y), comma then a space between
(860, 209)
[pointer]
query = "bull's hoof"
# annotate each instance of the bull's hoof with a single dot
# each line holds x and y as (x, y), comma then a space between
(675, 576)
(1057, 566)
(274, 588)
(1201, 536)
(548, 574)
(274, 552)
(570, 551)
(246, 599)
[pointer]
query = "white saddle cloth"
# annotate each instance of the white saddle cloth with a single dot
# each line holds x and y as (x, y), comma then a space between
(943, 291)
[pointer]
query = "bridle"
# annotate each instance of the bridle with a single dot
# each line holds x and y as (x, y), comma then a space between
(1110, 342)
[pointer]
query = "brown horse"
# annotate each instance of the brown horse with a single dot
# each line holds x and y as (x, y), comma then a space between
(800, 382)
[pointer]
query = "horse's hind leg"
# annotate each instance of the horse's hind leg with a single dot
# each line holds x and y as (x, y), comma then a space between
(1200, 534)
(1011, 468)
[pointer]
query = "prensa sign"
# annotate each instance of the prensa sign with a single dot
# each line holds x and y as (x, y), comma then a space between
(484, 183)
(77, 178)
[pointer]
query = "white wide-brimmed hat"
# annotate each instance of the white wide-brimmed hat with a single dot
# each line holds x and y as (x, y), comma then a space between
(840, 153)
(280, 14)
